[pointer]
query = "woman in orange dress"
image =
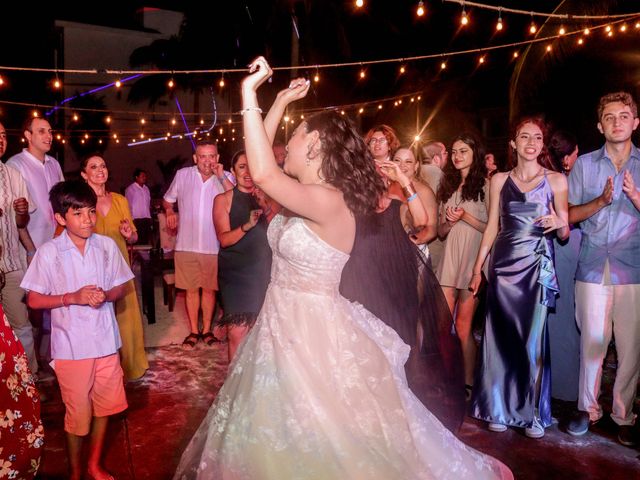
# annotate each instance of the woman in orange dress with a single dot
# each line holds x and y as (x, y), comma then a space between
(114, 220)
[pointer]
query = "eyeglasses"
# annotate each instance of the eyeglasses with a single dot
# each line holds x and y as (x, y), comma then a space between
(380, 140)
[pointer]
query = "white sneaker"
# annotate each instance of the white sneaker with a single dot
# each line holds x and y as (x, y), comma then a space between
(497, 427)
(535, 430)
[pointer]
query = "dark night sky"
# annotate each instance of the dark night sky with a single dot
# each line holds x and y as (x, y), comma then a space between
(564, 85)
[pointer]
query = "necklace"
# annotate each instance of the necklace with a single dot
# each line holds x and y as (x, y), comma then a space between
(457, 198)
(527, 180)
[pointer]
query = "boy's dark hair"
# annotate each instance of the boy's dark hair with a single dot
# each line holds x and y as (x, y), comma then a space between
(71, 194)
(137, 172)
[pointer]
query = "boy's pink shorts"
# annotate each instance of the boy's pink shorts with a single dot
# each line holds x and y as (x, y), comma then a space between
(91, 387)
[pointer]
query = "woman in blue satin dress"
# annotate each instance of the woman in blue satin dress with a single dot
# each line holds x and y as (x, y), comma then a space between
(528, 205)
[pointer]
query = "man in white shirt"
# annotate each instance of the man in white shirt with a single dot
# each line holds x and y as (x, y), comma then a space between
(139, 198)
(41, 172)
(196, 253)
(15, 206)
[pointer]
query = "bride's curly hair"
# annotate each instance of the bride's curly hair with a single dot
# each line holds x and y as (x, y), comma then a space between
(347, 163)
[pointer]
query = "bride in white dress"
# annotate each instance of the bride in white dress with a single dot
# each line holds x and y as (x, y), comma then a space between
(318, 389)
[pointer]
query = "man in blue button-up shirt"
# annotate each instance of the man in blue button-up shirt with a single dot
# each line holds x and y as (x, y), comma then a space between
(604, 199)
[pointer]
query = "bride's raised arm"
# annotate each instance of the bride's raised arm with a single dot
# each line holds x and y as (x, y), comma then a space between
(304, 196)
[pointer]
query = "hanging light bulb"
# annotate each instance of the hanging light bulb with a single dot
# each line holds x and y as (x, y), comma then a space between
(637, 25)
(173, 121)
(35, 113)
(170, 83)
(499, 25)
(57, 84)
(549, 48)
(623, 27)
(516, 54)
(420, 10)
(316, 77)
(380, 107)
(586, 31)
(229, 120)
(562, 31)
(464, 19)
(75, 117)
(143, 121)
(362, 73)
(481, 60)
(533, 28)
(118, 84)
(580, 41)
(221, 82)
(402, 69)
(361, 110)
(443, 65)
(608, 28)
(359, 3)
(107, 119)
(1, 81)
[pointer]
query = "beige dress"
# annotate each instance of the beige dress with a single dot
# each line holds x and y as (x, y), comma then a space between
(462, 244)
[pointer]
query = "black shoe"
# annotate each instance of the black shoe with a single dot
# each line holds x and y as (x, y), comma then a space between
(627, 436)
(579, 424)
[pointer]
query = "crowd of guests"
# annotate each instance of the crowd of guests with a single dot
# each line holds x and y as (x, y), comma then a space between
(551, 241)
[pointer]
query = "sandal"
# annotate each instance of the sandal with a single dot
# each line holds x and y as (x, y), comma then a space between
(209, 339)
(191, 340)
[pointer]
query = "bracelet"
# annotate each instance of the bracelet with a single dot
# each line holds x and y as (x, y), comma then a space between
(474, 274)
(250, 109)
(64, 303)
(243, 230)
(31, 253)
(412, 197)
(408, 190)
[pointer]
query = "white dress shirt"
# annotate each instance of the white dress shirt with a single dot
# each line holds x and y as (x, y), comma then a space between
(12, 187)
(58, 267)
(195, 201)
(40, 177)
(139, 198)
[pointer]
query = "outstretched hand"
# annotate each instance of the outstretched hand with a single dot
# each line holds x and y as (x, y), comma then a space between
(392, 171)
(259, 72)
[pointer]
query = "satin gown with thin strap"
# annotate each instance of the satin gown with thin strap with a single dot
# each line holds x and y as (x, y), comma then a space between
(522, 286)
(317, 390)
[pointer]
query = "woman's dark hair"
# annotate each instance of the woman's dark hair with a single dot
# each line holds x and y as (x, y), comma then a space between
(543, 159)
(85, 159)
(473, 188)
(347, 163)
(71, 194)
(236, 157)
(561, 143)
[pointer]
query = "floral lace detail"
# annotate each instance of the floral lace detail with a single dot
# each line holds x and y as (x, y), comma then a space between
(318, 390)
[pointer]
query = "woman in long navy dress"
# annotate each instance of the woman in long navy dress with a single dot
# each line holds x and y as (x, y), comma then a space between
(512, 381)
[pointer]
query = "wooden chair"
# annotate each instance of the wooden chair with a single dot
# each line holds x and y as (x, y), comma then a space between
(167, 246)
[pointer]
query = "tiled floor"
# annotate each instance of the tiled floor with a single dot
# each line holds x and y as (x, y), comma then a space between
(167, 405)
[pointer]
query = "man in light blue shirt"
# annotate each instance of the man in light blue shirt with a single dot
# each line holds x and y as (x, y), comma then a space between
(604, 199)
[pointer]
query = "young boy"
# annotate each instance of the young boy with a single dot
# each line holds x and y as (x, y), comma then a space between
(79, 275)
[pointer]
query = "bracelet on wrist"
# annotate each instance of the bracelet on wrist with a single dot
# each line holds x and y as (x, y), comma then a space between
(412, 197)
(474, 274)
(64, 300)
(242, 228)
(250, 109)
(409, 190)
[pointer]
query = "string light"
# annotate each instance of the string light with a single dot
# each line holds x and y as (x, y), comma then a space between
(75, 117)
(586, 31)
(420, 10)
(118, 84)
(173, 121)
(143, 121)
(562, 31)
(362, 73)
(1, 81)
(107, 119)
(86, 135)
(533, 28)
(580, 41)
(464, 20)
(359, 3)
(637, 25)
(548, 48)
(221, 82)
(380, 107)
(35, 114)
(607, 28)
(443, 65)
(361, 110)
(402, 69)
(316, 77)
(229, 121)
(170, 83)
(57, 84)
(499, 25)
(481, 60)
(623, 28)
(516, 54)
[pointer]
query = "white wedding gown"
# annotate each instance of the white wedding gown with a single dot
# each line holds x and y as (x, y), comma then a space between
(318, 389)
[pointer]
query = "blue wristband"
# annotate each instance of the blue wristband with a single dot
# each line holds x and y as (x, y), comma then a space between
(412, 197)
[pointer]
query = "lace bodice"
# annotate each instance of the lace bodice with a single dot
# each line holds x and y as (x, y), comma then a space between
(302, 261)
